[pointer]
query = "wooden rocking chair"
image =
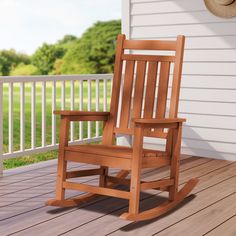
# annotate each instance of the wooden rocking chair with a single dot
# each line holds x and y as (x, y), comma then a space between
(138, 118)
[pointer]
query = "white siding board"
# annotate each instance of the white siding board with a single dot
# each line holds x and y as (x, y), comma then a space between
(210, 82)
(208, 94)
(219, 135)
(213, 42)
(166, 6)
(209, 145)
(210, 55)
(216, 108)
(210, 68)
(208, 29)
(210, 121)
(180, 18)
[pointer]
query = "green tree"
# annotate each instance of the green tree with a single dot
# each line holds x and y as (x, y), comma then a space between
(57, 67)
(23, 69)
(94, 52)
(9, 59)
(45, 56)
(67, 39)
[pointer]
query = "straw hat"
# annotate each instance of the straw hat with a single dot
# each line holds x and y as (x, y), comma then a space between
(222, 8)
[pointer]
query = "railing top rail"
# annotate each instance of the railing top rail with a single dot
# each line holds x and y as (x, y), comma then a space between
(40, 78)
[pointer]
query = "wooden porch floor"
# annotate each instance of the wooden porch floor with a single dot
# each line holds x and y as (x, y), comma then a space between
(210, 211)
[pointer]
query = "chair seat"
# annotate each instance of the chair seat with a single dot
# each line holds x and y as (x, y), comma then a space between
(112, 151)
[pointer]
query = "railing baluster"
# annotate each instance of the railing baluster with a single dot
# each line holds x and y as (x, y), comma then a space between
(72, 104)
(105, 95)
(110, 90)
(81, 101)
(22, 116)
(54, 88)
(33, 114)
(111, 86)
(10, 118)
(34, 81)
(89, 107)
(97, 106)
(43, 114)
(1, 128)
(63, 95)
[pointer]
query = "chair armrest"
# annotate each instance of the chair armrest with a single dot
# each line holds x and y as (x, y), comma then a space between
(158, 123)
(83, 115)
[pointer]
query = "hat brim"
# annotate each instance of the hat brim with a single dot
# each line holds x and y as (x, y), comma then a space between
(221, 11)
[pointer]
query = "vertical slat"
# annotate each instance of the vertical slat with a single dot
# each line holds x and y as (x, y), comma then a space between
(108, 135)
(63, 95)
(162, 93)
(89, 107)
(139, 88)
(43, 114)
(97, 106)
(127, 91)
(22, 116)
(33, 114)
(1, 128)
(151, 88)
(174, 101)
(81, 98)
(53, 109)
(162, 89)
(72, 104)
(120, 101)
(104, 95)
(10, 118)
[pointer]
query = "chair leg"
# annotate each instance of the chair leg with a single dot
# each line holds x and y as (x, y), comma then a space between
(62, 163)
(135, 193)
(102, 178)
(136, 172)
(61, 176)
(175, 196)
(175, 160)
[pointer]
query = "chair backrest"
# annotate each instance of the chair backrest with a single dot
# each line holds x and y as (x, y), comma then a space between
(143, 85)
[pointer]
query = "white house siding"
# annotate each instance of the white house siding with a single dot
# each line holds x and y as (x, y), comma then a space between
(208, 93)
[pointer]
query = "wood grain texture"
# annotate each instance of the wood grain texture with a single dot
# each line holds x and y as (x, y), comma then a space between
(151, 89)
(127, 91)
(205, 193)
(226, 227)
(135, 158)
(139, 89)
(41, 214)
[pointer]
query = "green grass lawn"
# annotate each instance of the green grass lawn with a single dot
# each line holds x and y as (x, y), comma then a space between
(14, 162)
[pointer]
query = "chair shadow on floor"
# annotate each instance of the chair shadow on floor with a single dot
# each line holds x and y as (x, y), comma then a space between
(136, 225)
(116, 206)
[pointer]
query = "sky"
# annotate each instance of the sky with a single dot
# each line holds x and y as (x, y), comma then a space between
(26, 24)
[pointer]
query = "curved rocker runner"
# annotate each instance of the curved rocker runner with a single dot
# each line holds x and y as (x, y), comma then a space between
(143, 113)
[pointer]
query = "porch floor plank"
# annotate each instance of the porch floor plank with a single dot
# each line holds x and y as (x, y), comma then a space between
(227, 226)
(211, 211)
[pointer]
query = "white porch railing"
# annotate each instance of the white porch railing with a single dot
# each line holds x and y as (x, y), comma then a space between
(47, 93)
